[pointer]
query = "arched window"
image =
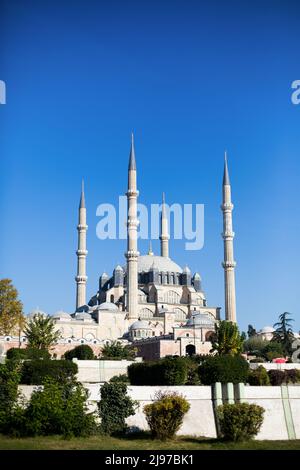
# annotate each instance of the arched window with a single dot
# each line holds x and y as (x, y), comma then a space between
(112, 299)
(146, 313)
(180, 315)
(172, 297)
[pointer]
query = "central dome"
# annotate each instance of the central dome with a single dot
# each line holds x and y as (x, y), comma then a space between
(161, 263)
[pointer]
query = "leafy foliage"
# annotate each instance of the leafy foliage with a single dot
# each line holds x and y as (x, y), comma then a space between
(11, 309)
(166, 414)
(240, 421)
(9, 380)
(40, 332)
(227, 339)
(114, 407)
(223, 369)
(58, 408)
(283, 333)
(259, 376)
(255, 345)
(116, 350)
(166, 371)
(35, 372)
(28, 353)
(251, 331)
(120, 378)
(82, 352)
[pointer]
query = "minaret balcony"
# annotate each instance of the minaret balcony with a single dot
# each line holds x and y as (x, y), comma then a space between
(227, 206)
(228, 235)
(81, 252)
(82, 227)
(229, 264)
(132, 255)
(132, 193)
(81, 279)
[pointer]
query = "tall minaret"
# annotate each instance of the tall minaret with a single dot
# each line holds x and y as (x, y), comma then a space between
(132, 225)
(81, 253)
(164, 232)
(228, 235)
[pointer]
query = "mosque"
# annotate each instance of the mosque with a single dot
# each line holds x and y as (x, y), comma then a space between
(151, 302)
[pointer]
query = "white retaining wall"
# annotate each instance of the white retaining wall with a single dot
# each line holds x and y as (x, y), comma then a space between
(101, 371)
(281, 418)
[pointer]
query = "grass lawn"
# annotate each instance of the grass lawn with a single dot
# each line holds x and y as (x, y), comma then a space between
(139, 442)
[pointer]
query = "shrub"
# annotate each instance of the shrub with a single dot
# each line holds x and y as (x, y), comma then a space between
(58, 408)
(223, 369)
(9, 380)
(165, 415)
(258, 376)
(166, 371)
(240, 421)
(82, 352)
(258, 360)
(34, 372)
(192, 373)
(277, 377)
(114, 407)
(291, 376)
(116, 350)
(120, 378)
(28, 353)
(255, 345)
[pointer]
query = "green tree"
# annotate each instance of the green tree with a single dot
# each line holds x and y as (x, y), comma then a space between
(11, 309)
(40, 332)
(283, 333)
(228, 339)
(251, 331)
(116, 350)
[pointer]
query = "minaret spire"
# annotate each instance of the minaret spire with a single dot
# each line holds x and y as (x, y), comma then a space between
(81, 253)
(132, 223)
(228, 236)
(164, 232)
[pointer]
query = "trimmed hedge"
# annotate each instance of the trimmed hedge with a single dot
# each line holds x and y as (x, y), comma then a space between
(167, 371)
(223, 369)
(165, 415)
(82, 352)
(34, 372)
(259, 376)
(28, 353)
(240, 421)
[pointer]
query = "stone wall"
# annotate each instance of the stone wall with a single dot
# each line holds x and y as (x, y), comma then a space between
(281, 404)
(101, 371)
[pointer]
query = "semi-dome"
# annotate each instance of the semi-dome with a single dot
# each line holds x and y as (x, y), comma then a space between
(83, 316)
(201, 320)
(161, 263)
(140, 325)
(36, 312)
(108, 306)
(267, 329)
(61, 314)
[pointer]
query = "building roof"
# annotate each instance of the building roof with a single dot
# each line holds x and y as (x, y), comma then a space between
(35, 312)
(61, 314)
(267, 329)
(140, 325)
(161, 263)
(83, 316)
(107, 306)
(200, 320)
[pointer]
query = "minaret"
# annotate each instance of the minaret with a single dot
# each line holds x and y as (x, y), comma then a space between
(81, 253)
(228, 235)
(132, 225)
(164, 232)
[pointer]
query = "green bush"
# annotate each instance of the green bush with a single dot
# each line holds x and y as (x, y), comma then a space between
(9, 380)
(240, 421)
(165, 415)
(34, 372)
(82, 352)
(166, 371)
(258, 376)
(120, 378)
(117, 351)
(223, 369)
(58, 408)
(258, 360)
(114, 407)
(28, 353)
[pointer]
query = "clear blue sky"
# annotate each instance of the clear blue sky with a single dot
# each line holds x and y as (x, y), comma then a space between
(190, 79)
